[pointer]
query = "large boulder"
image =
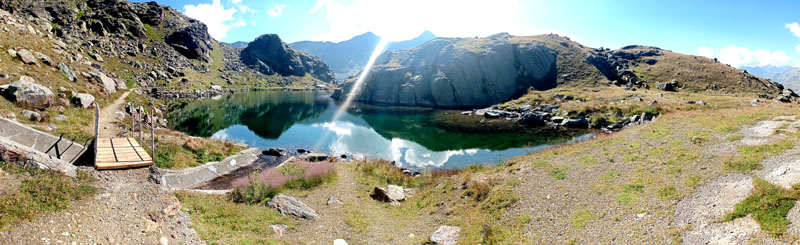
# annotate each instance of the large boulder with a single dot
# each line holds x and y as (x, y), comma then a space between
(192, 41)
(269, 55)
(458, 73)
(28, 92)
(26, 56)
(668, 86)
(109, 85)
(83, 100)
(391, 194)
(289, 205)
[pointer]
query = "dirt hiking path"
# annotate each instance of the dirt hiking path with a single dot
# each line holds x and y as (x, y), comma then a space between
(108, 116)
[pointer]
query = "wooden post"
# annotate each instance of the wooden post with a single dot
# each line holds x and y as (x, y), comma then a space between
(133, 121)
(139, 119)
(96, 130)
(152, 135)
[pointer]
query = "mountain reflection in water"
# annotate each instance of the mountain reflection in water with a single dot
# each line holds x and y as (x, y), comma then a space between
(411, 137)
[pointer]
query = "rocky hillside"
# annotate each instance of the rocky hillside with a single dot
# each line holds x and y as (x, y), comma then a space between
(60, 56)
(347, 58)
(269, 55)
(478, 72)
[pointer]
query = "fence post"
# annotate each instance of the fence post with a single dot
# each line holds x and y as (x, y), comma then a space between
(152, 135)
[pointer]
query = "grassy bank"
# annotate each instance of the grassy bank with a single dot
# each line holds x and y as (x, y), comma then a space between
(32, 191)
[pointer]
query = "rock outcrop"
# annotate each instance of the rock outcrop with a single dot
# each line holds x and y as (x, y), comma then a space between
(459, 73)
(289, 205)
(269, 55)
(193, 41)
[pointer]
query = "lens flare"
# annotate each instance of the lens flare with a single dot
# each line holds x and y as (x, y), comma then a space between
(361, 77)
(356, 86)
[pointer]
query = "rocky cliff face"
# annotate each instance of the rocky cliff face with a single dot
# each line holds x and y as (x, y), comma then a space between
(269, 55)
(479, 72)
(459, 73)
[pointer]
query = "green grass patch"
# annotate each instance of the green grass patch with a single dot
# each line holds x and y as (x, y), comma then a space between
(750, 157)
(41, 191)
(581, 218)
(735, 137)
(219, 221)
(769, 205)
(557, 172)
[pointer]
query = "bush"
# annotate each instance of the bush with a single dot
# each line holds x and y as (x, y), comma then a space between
(259, 188)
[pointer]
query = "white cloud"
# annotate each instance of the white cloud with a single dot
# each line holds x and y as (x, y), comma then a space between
(399, 20)
(705, 51)
(794, 28)
(740, 56)
(239, 23)
(237, 1)
(277, 10)
(797, 48)
(214, 15)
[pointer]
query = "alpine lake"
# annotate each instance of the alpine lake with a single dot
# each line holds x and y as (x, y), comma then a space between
(414, 138)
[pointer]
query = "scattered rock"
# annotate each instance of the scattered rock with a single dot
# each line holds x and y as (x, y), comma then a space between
(27, 91)
(668, 86)
(445, 235)
(61, 118)
(279, 229)
(97, 57)
(216, 87)
(83, 100)
(275, 152)
(339, 242)
(26, 56)
(289, 205)
(316, 157)
(575, 123)
(333, 200)
(109, 85)
(64, 68)
(12, 53)
(392, 194)
(44, 58)
(163, 241)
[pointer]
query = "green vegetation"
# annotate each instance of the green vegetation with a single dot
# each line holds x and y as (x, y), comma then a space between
(381, 172)
(257, 191)
(750, 157)
(194, 152)
(769, 205)
(558, 172)
(152, 34)
(40, 191)
(219, 221)
(581, 218)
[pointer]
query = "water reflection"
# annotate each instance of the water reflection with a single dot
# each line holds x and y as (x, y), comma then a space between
(411, 137)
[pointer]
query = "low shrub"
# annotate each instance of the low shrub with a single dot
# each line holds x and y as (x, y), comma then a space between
(259, 188)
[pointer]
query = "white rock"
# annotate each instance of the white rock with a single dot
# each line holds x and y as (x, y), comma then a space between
(339, 242)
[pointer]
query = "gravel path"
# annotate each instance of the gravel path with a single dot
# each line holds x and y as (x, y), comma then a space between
(108, 116)
(703, 211)
(127, 209)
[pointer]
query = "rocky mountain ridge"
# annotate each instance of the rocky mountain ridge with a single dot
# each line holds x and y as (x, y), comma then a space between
(348, 57)
(479, 72)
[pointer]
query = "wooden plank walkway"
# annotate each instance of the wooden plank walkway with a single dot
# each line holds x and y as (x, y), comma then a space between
(116, 153)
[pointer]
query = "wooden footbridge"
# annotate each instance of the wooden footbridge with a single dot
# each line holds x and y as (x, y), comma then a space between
(123, 152)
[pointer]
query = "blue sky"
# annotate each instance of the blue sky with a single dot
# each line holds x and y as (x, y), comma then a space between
(737, 32)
